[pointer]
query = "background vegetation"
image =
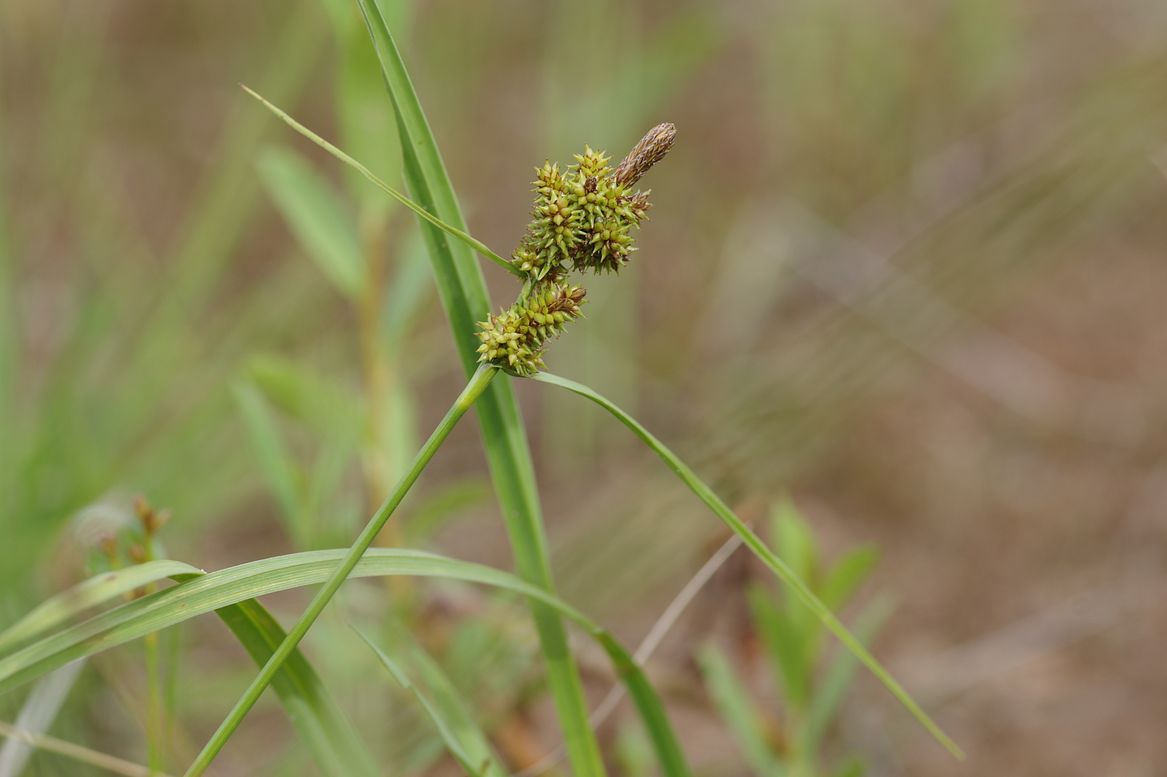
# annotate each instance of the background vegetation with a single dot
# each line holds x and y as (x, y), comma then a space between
(904, 265)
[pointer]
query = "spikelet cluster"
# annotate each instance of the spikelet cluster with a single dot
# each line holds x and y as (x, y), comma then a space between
(583, 218)
(514, 339)
(582, 221)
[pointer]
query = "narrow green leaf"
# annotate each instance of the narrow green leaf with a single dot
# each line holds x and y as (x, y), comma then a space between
(301, 692)
(329, 408)
(465, 300)
(320, 723)
(837, 679)
(364, 119)
(324, 226)
(474, 243)
(779, 567)
(840, 584)
(87, 594)
(478, 383)
(785, 643)
(448, 702)
(279, 468)
(448, 730)
(794, 541)
(738, 711)
(409, 290)
(200, 594)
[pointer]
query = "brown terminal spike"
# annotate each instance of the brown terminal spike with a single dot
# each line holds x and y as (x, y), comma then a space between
(650, 150)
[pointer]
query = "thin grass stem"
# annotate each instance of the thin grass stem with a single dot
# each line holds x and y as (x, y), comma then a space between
(767, 556)
(469, 240)
(474, 388)
(79, 753)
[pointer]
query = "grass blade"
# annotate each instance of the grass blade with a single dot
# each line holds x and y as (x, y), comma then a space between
(322, 223)
(767, 556)
(90, 593)
(478, 383)
(460, 234)
(837, 679)
(485, 763)
(321, 725)
(737, 710)
(316, 717)
(275, 460)
(465, 299)
(202, 594)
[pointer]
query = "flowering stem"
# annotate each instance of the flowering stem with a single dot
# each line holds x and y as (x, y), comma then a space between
(474, 388)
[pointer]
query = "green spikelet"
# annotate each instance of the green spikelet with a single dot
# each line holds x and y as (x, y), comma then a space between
(514, 339)
(555, 231)
(583, 220)
(591, 164)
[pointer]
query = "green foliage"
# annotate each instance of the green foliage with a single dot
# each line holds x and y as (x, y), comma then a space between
(200, 594)
(318, 217)
(462, 737)
(584, 218)
(810, 684)
(781, 569)
(462, 290)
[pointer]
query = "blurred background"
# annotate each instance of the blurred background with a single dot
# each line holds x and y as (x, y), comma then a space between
(905, 266)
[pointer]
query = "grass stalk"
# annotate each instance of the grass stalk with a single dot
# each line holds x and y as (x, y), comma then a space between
(474, 388)
(767, 556)
(464, 297)
(156, 723)
(79, 753)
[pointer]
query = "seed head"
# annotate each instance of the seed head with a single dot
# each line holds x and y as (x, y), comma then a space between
(650, 150)
(514, 339)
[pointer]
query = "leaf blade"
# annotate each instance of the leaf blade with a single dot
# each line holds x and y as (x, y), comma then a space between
(460, 234)
(320, 722)
(90, 593)
(764, 554)
(462, 290)
(321, 222)
(199, 595)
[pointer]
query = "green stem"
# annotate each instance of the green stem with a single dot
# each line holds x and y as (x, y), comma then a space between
(464, 296)
(155, 720)
(474, 388)
(767, 556)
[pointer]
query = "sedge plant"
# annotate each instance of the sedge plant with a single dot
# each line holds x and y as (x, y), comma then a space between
(584, 222)
(584, 218)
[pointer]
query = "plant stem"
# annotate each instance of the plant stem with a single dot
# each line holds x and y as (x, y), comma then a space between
(79, 753)
(474, 388)
(464, 296)
(156, 725)
(767, 556)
